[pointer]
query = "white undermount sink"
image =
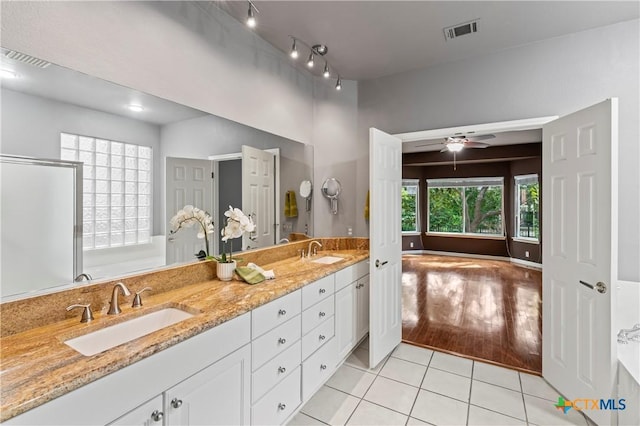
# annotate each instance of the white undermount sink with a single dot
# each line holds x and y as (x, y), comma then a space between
(327, 260)
(110, 337)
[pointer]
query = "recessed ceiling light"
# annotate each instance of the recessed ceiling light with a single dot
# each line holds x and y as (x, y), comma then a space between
(135, 107)
(7, 73)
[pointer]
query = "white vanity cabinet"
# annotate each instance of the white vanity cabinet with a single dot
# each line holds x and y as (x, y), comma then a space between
(276, 348)
(148, 414)
(218, 395)
(258, 368)
(351, 308)
(130, 395)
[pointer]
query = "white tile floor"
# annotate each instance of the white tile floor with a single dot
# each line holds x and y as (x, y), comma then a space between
(416, 386)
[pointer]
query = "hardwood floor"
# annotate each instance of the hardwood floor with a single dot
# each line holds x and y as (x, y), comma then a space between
(483, 309)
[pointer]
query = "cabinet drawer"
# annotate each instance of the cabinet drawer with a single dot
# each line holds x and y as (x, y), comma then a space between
(275, 370)
(276, 406)
(275, 313)
(316, 314)
(318, 368)
(277, 340)
(346, 276)
(315, 292)
(317, 337)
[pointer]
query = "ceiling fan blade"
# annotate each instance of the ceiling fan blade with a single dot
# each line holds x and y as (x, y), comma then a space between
(471, 144)
(429, 144)
(480, 138)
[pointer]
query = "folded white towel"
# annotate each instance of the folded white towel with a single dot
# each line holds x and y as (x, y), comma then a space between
(269, 275)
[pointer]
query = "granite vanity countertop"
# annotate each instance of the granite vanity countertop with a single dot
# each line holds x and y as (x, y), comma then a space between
(36, 365)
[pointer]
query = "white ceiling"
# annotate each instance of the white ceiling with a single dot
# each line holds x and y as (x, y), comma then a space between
(65, 85)
(370, 39)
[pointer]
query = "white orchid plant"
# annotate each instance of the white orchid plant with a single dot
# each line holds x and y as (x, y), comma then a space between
(190, 216)
(237, 224)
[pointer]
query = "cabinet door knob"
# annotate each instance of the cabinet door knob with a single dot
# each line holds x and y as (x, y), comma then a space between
(322, 291)
(282, 312)
(322, 314)
(156, 416)
(282, 370)
(323, 366)
(176, 403)
(322, 337)
(282, 340)
(282, 406)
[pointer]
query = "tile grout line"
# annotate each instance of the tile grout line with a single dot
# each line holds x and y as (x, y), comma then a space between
(473, 366)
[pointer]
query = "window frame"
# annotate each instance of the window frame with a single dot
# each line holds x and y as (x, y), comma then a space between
(462, 183)
(137, 181)
(417, 184)
(516, 207)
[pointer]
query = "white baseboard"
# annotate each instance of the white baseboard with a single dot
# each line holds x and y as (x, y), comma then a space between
(519, 262)
(527, 263)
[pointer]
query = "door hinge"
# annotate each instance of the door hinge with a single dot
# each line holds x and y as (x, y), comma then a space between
(213, 175)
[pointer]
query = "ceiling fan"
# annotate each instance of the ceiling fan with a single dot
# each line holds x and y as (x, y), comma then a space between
(458, 142)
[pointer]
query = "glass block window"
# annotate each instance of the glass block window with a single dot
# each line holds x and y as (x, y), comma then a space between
(116, 190)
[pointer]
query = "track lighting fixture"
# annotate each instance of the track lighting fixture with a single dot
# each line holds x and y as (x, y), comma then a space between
(251, 19)
(315, 50)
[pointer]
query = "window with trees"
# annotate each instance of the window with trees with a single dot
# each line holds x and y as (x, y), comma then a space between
(410, 205)
(527, 208)
(471, 206)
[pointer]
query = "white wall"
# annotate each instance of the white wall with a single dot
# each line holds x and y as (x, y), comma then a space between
(188, 52)
(31, 126)
(552, 77)
(338, 153)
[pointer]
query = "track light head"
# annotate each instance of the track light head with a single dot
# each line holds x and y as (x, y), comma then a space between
(326, 73)
(339, 84)
(251, 19)
(310, 62)
(294, 50)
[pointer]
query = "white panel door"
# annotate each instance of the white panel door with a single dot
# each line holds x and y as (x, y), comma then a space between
(579, 177)
(258, 192)
(385, 245)
(188, 182)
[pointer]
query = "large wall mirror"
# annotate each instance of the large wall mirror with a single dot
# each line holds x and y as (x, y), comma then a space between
(143, 158)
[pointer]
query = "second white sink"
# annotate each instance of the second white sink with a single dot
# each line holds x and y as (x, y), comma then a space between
(328, 260)
(110, 337)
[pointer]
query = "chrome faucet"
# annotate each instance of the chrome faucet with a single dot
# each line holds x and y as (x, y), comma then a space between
(83, 276)
(314, 252)
(629, 334)
(114, 309)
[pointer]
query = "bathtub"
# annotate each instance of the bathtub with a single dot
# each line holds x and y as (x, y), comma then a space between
(628, 314)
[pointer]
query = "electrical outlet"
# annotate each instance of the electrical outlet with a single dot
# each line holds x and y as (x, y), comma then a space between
(411, 244)
(526, 254)
(349, 231)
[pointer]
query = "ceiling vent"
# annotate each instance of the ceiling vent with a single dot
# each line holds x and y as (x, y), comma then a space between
(27, 59)
(461, 29)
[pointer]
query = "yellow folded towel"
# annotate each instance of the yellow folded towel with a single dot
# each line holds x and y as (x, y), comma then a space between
(366, 207)
(290, 205)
